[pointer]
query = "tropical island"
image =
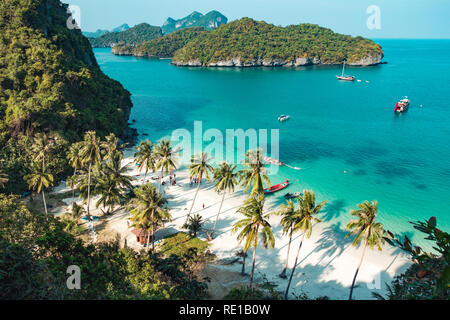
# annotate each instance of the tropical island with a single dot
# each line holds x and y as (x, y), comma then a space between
(132, 36)
(250, 43)
(74, 191)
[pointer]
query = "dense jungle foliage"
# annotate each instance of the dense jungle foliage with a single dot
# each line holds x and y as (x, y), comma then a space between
(50, 82)
(251, 40)
(138, 34)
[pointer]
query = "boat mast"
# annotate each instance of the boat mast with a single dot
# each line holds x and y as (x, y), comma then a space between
(343, 69)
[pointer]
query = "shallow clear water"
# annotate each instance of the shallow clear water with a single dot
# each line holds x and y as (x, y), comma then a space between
(345, 135)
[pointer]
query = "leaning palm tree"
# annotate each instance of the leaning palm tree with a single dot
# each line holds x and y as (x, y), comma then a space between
(365, 227)
(91, 155)
(75, 161)
(254, 173)
(305, 218)
(226, 179)
(255, 222)
(200, 167)
(149, 209)
(38, 180)
(165, 158)
(145, 158)
(288, 221)
(3, 179)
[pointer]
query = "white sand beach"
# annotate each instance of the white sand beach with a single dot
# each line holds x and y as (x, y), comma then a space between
(327, 260)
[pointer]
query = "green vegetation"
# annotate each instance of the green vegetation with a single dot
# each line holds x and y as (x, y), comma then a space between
(211, 20)
(429, 277)
(133, 36)
(200, 167)
(165, 46)
(35, 254)
(367, 230)
(180, 243)
(50, 82)
(254, 42)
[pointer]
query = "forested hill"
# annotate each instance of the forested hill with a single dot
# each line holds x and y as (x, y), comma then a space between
(163, 47)
(211, 20)
(50, 82)
(133, 36)
(247, 42)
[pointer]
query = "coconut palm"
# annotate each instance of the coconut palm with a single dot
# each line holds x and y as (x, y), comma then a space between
(75, 161)
(288, 221)
(148, 209)
(254, 223)
(200, 167)
(255, 173)
(91, 155)
(111, 181)
(365, 228)
(3, 179)
(38, 180)
(111, 145)
(305, 218)
(226, 179)
(165, 158)
(40, 146)
(76, 212)
(194, 225)
(145, 157)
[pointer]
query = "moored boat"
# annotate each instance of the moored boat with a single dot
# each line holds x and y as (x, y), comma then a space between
(402, 105)
(277, 187)
(343, 77)
(283, 118)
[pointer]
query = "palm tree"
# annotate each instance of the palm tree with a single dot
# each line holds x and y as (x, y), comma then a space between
(111, 182)
(75, 161)
(255, 173)
(288, 221)
(165, 158)
(76, 212)
(365, 227)
(91, 155)
(198, 168)
(145, 157)
(305, 218)
(194, 225)
(40, 146)
(226, 179)
(255, 221)
(149, 209)
(3, 179)
(38, 180)
(111, 145)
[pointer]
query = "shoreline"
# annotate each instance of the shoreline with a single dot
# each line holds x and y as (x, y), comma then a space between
(327, 260)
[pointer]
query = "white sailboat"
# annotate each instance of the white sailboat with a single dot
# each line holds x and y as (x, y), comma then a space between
(343, 77)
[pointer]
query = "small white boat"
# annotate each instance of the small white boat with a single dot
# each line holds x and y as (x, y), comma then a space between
(283, 118)
(343, 77)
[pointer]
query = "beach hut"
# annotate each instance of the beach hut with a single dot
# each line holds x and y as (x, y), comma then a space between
(142, 235)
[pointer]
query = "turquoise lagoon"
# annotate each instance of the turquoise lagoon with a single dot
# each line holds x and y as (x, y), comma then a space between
(345, 136)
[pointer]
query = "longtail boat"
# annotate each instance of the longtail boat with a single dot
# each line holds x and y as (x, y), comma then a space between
(277, 187)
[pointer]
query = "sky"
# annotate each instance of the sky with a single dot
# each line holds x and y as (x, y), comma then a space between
(394, 19)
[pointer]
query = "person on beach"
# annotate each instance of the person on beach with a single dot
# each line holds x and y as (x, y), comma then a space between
(203, 206)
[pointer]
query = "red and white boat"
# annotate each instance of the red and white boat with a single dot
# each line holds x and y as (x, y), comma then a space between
(277, 187)
(402, 105)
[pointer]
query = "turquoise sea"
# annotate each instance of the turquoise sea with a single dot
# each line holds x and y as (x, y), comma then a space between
(345, 135)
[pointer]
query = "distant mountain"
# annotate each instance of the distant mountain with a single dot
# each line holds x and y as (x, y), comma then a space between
(133, 36)
(121, 28)
(209, 21)
(101, 32)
